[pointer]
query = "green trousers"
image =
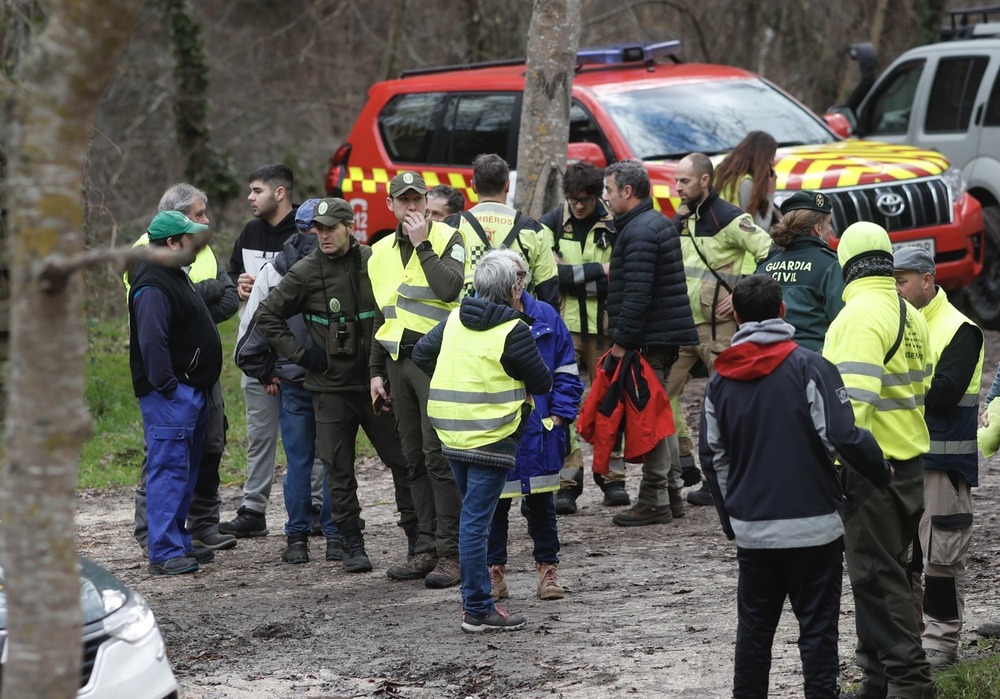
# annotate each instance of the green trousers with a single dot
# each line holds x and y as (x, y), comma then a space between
(879, 528)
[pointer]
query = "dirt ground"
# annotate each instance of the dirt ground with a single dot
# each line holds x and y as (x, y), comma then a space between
(650, 610)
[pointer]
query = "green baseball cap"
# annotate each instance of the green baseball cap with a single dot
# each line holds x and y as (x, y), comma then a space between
(332, 211)
(169, 223)
(405, 181)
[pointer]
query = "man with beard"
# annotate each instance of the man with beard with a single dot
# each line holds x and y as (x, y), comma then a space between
(646, 265)
(715, 238)
(260, 241)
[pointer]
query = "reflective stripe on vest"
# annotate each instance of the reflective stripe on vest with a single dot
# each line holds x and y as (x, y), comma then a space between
(536, 484)
(403, 293)
(472, 401)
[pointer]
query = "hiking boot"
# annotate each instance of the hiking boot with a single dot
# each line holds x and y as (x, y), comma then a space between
(565, 502)
(498, 586)
(215, 541)
(445, 574)
(690, 473)
(297, 550)
(353, 542)
(416, 567)
(315, 528)
(702, 496)
(642, 514)
(247, 523)
(334, 549)
(548, 587)
(940, 659)
(497, 620)
(615, 494)
(178, 565)
(676, 503)
(201, 554)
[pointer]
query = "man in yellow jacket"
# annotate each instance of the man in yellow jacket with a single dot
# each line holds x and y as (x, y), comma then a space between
(951, 410)
(880, 345)
(417, 276)
(716, 236)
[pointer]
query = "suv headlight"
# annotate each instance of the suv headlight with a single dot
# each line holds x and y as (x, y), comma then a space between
(132, 622)
(956, 183)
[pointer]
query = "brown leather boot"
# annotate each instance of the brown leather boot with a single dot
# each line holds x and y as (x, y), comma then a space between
(498, 583)
(548, 586)
(445, 574)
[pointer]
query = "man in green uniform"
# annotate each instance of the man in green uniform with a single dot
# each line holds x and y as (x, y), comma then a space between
(331, 289)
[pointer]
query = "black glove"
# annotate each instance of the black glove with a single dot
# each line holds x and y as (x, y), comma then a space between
(314, 358)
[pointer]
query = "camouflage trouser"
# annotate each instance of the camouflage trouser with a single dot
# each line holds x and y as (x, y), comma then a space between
(939, 555)
(880, 525)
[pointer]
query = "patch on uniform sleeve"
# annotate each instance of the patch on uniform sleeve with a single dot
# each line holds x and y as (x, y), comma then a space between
(842, 394)
(747, 225)
(458, 253)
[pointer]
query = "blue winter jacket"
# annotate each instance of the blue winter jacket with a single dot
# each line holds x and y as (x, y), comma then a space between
(544, 446)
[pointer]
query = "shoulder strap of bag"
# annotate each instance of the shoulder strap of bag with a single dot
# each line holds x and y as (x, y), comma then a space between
(899, 335)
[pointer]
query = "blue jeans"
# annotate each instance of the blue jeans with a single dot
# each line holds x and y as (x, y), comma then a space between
(540, 511)
(174, 429)
(298, 436)
(480, 487)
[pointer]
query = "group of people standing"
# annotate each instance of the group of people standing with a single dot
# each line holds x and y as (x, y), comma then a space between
(458, 342)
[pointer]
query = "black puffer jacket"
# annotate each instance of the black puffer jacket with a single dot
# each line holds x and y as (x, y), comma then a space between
(647, 293)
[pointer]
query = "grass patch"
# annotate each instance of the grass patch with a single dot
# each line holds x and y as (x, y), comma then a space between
(113, 455)
(977, 678)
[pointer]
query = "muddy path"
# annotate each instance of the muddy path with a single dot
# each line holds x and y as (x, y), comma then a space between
(650, 611)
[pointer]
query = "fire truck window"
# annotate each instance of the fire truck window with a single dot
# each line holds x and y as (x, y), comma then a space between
(477, 123)
(583, 129)
(407, 125)
(953, 94)
(890, 111)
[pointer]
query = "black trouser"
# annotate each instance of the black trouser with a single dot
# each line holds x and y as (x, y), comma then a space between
(811, 578)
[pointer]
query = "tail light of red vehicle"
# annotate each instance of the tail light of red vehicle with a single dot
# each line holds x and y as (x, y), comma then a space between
(338, 169)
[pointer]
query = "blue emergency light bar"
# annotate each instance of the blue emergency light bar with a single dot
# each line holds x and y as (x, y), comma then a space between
(630, 53)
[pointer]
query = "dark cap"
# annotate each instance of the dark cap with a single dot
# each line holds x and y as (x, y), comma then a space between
(169, 223)
(332, 211)
(804, 199)
(406, 181)
(913, 259)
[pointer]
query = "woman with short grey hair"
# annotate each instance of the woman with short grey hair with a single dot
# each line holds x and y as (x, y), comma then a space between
(483, 365)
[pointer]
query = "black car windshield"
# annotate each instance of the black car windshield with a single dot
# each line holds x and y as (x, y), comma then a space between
(667, 123)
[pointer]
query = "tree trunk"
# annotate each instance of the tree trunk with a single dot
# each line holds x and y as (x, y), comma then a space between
(541, 148)
(55, 98)
(204, 166)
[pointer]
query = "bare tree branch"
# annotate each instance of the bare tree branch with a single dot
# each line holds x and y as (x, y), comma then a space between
(55, 270)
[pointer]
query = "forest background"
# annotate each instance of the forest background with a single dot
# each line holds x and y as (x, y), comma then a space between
(284, 81)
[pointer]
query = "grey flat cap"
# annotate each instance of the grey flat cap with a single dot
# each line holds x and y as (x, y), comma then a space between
(913, 258)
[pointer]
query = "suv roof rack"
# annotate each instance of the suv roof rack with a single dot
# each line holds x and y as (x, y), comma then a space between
(964, 25)
(645, 54)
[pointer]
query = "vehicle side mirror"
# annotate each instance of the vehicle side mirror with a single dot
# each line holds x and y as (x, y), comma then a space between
(838, 122)
(587, 152)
